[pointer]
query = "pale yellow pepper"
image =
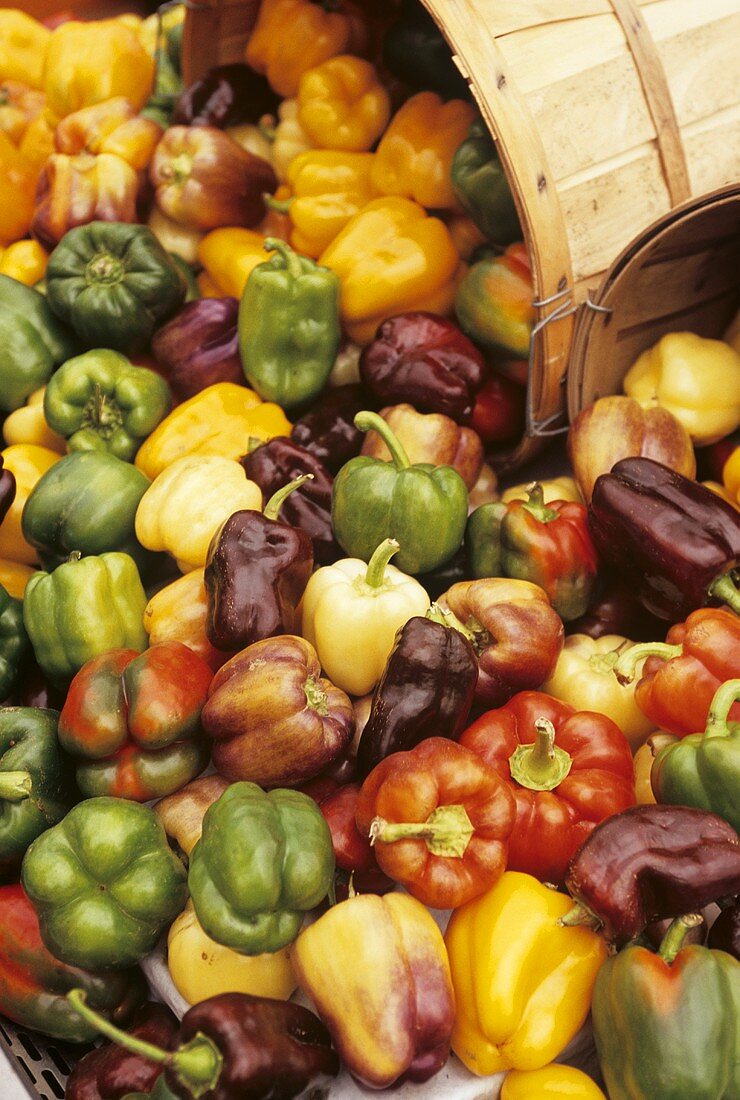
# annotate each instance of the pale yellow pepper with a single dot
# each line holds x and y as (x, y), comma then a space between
(14, 577)
(27, 462)
(288, 138)
(644, 765)
(696, 379)
(343, 105)
(174, 237)
(555, 1082)
(553, 488)
(23, 45)
(25, 261)
(28, 425)
(88, 63)
(229, 256)
(186, 504)
(351, 611)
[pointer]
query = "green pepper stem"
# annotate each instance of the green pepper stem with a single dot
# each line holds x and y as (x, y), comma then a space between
(371, 422)
(725, 589)
(625, 667)
(198, 1064)
(282, 206)
(73, 556)
(437, 614)
(447, 831)
(293, 263)
(580, 916)
(543, 765)
(673, 940)
(451, 619)
(15, 786)
(605, 662)
(375, 575)
(720, 707)
(536, 505)
(275, 503)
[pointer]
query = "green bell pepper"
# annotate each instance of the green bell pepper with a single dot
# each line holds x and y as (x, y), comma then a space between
(87, 501)
(289, 329)
(113, 284)
(483, 540)
(666, 1024)
(85, 607)
(262, 861)
(423, 507)
(104, 883)
(482, 189)
(100, 401)
(703, 769)
(14, 641)
(33, 340)
(35, 780)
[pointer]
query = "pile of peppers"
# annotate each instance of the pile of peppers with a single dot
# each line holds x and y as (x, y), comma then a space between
(295, 697)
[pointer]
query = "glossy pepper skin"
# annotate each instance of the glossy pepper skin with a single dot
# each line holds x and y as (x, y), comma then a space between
(567, 771)
(423, 507)
(342, 104)
(431, 439)
(328, 429)
(494, 302)
(177, 613)
(480, 186)
(7, 490)
(665, 1024)
(328, 187)
(112, 128)
(108, 842)
(416, 53)
(426, 360)
(635, 514)
(34, 984)
(113, 284)
(279, 461)
(651, 862)
(426, 690)
(397, 1026)
(554, 1082)
(75, 190)
(109, 1071)
(198, 347)
(91, 62)
(251, 892)
(35, 342)
(14, 643)
(225, 96)
(289, 326)
(511, 1014)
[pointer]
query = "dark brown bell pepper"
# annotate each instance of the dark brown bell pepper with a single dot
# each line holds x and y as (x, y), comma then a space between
(328, 429)
(426, 360)
(256, 571)
(226, 95)
(280, 460)
(615, 609)
(651, 862)
(110, 1072)
(724, 935)
(673, 539)
(236, 1047)
(7, 489)
(199, 347)
(426, 690)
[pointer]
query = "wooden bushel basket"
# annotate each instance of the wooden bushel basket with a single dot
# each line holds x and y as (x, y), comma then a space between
(607, 114)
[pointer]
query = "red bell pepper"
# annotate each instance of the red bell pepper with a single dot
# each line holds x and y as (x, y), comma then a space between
(440, 820)
(499, 411)
(567, 771)
(680, 676)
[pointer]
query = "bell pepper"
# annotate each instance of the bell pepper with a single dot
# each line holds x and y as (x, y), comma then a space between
(567, 770)
(28, 425)
(414, 156)
(494, 302)
(37, 144)
(14, 577)
(14, 644)
(724, 935)
(24, 261)
(553, 488)
(104, 883)
(225, 96)
(109, 1071)
(17, 187)
(198, 347)
(34, 984)
(182, 812)
(665, 1024)
(288, 326)
(676, 540)
(481, 187)
(84, 608)
(23, 45)
(7, 489)
(27, 462)
(648, 863)
(177, 613)
(289, 139)
(696, 379)
(423, 507)
(391, 258)
(273, 718)
(73, 191)
(425, 360)
(731, 474)
(176, 239)
(250, 894)
(101, 402)
(514, 631)
(511, 1014)
(328, 187)
(351, 612)
(431, 439)
(553, 1082)
(499, 414)
(342, 104)
(111, 127)
(35, 342)
(291, 36)
(327, 430)
(186, 504)
(353, 849)
(220, 420)
(426, 689)
(88, 63)
(395, 1027)
(229, 256)
(452, 815)
(416, 53)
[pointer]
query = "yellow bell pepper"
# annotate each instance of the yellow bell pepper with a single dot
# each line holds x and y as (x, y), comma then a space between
(731, 476)
(391, 258)
(28, 424)
(252, 138)
(415, 154)
(19, 106)
(186, 504)
(25, 261)
(328, 188)
(109, 127)
(177, 613)
(37, 143)
(202, 968)
(351, 611)
(76, 190)
(696, 379)
(550, 1083)
(229, 256)
(219, 420)
(288, 138)
(27, 462)
(17, 192)
(343, 105)
(553, 488)
(523, 983)
(23, 45)
(291, 36)
(88, 63)
(721, 492)
(14, 577)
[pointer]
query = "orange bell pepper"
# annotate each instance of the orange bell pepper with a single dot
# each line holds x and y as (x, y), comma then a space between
(17, 190)
(88, 63)
(343, 105)
(14, 577)
(110, 127)
(177, 613)
(27, 462)
(25, 261)
(229, 256)
(23, 45)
